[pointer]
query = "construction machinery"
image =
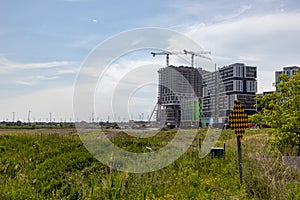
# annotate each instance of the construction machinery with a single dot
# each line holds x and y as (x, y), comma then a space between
(199, 54)
(167, 53)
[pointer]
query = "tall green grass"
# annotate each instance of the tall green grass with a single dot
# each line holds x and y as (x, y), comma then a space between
(54, 166)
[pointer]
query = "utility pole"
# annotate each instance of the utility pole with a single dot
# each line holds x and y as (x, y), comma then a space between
(13, 117)
(50, 115)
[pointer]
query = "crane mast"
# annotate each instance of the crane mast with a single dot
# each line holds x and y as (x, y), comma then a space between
(199, 54)
(167, 53)
(193, 54)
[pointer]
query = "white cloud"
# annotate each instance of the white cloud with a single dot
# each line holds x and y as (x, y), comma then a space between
(266, 41)
(117, 90)
(34, 80)
(88, 41)
(233, 15)
(187, 7)
(68, 71)
(22, 82)
(116, 85)
(259, 37)
(7, 65)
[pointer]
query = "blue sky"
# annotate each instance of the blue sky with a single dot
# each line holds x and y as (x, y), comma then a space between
(43, 43)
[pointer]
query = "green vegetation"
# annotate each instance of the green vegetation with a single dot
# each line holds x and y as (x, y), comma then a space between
(56, 165)
(281, 110)
(12, 125)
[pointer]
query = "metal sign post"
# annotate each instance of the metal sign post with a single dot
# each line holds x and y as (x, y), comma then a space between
(238, 120)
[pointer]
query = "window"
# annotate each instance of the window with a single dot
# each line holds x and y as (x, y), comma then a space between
(238, 71)
(205, 92)
(250, 72)
(251, 86)
(238, 85)
(228, 86)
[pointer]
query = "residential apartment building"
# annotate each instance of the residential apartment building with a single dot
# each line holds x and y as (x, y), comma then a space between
(222, 87)
(289, 70)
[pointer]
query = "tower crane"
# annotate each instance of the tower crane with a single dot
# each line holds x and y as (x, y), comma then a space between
(199, 54)
(167, 53)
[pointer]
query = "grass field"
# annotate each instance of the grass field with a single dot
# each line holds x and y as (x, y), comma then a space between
(54, 164)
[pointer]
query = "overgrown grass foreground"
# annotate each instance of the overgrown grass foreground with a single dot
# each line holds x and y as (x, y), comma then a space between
(52, 165)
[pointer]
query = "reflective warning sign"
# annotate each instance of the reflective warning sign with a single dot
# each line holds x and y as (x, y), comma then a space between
(238, 119)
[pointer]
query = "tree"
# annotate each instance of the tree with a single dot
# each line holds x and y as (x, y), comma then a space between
(281, 110)
(256, 119)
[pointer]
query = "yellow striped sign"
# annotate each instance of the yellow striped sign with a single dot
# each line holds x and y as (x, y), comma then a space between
(238, 119)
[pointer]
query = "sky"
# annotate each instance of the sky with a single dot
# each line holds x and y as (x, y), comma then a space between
(43, 45)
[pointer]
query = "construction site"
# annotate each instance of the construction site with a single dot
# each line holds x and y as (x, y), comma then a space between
(190, 97)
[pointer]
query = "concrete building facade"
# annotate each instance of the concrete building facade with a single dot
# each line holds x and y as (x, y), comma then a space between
(222, 87)
(179, 90)
(289, 70)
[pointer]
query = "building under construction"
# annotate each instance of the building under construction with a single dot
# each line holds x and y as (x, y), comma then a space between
(179, 96)
(188, 95)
